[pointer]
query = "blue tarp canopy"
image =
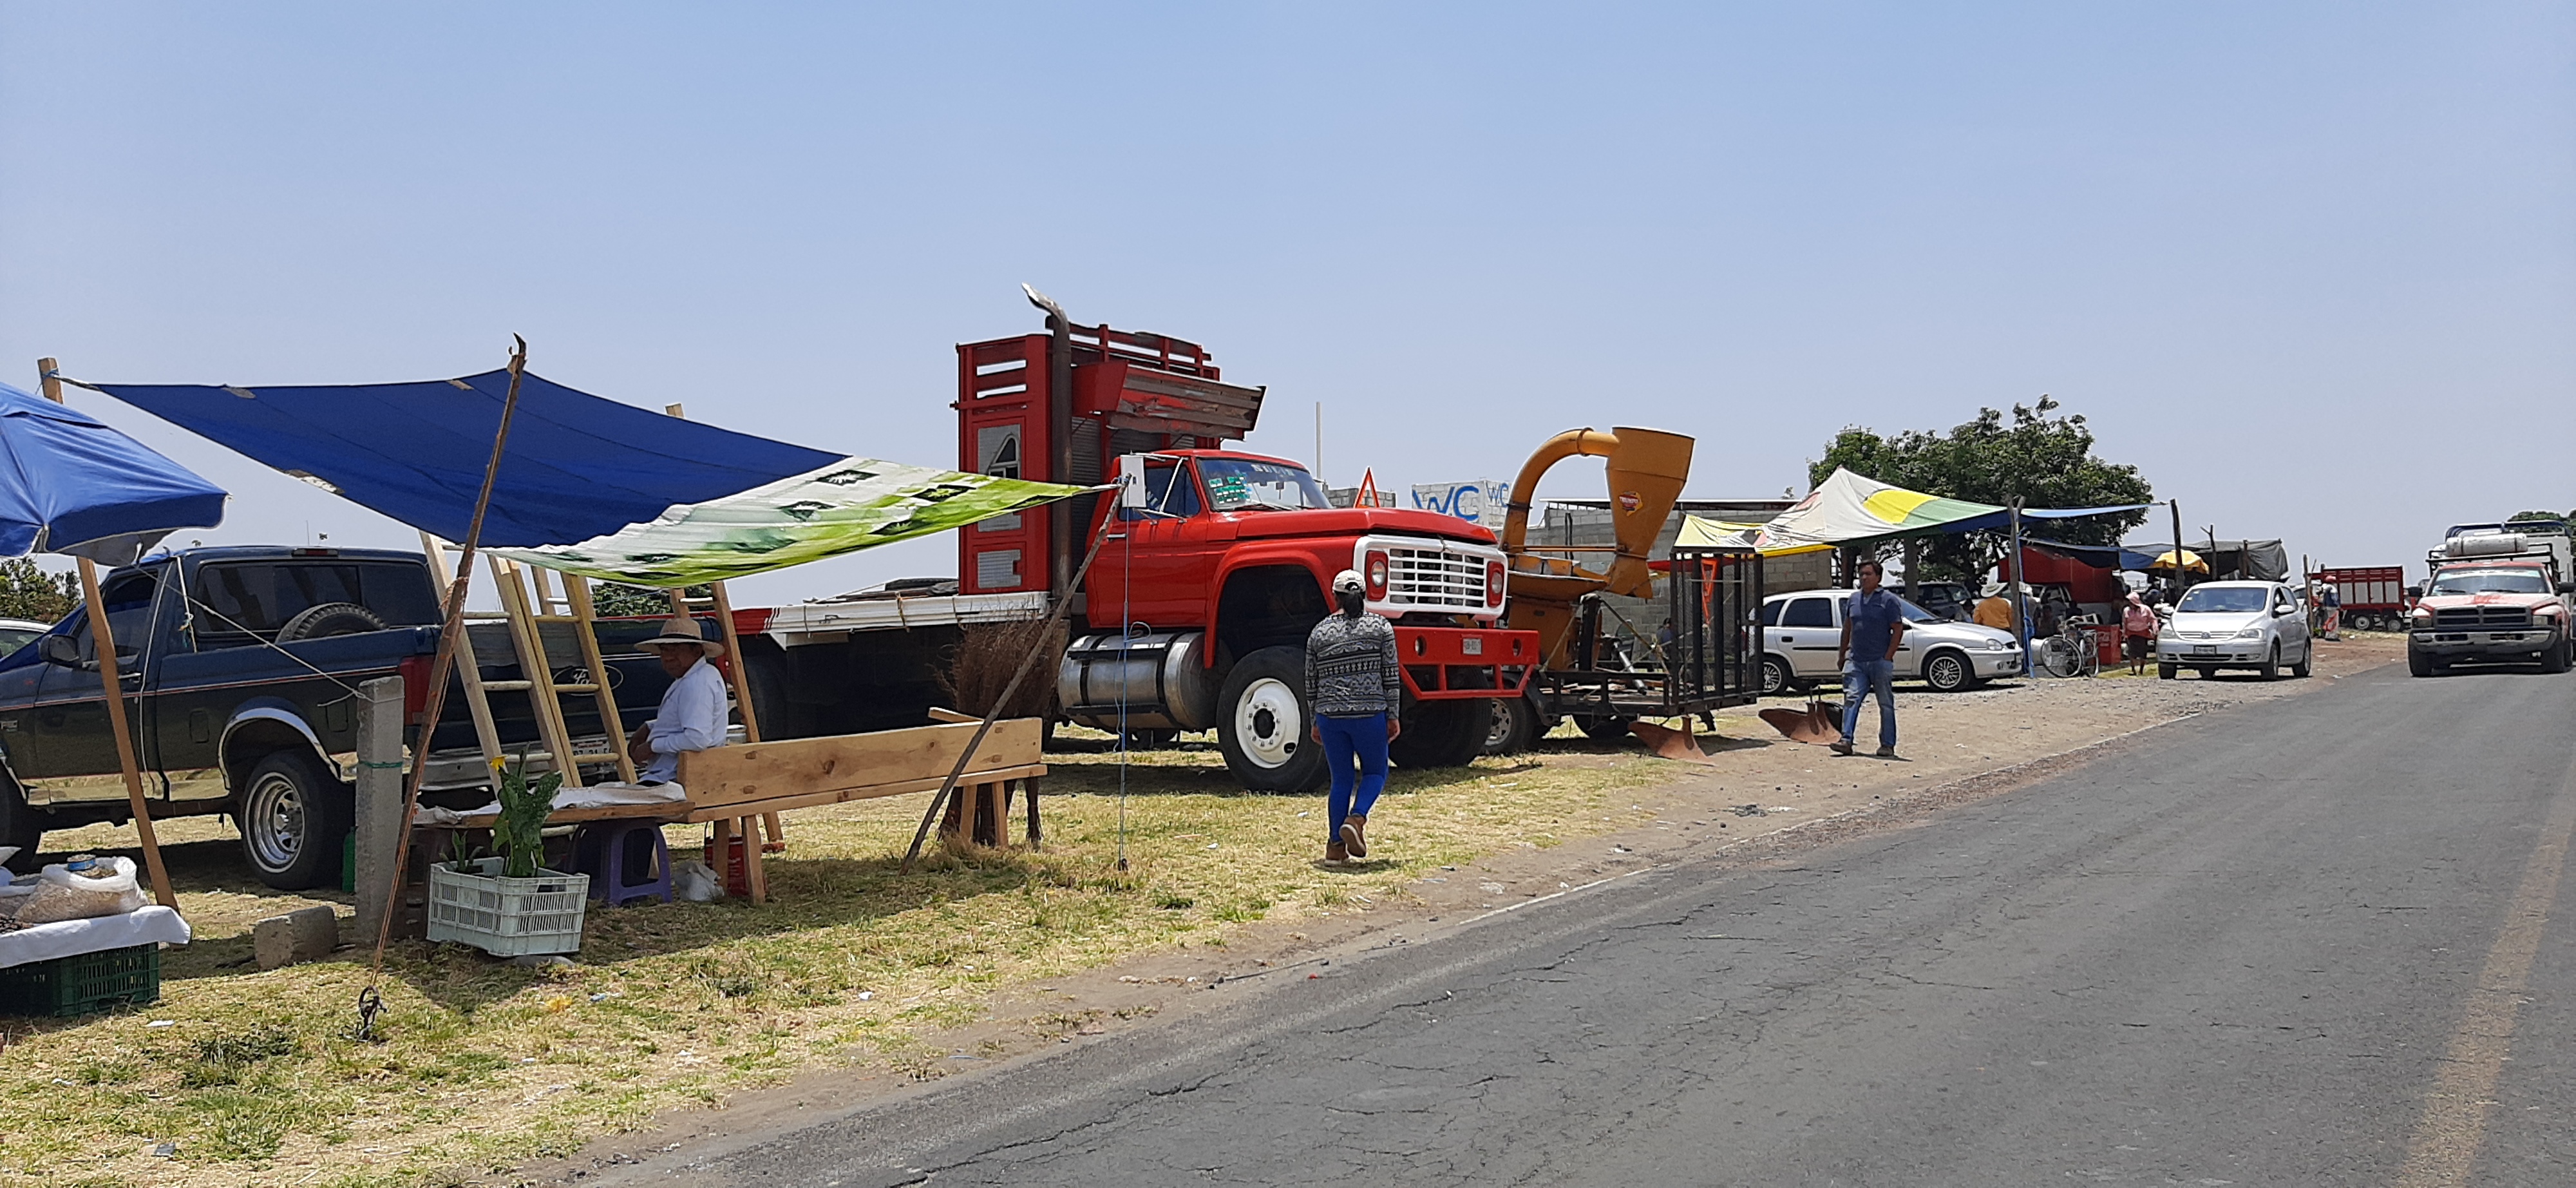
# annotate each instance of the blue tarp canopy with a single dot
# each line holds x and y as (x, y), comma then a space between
(69, 484)
(577, 466)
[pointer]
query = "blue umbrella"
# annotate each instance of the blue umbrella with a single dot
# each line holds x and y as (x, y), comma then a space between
(71, 485)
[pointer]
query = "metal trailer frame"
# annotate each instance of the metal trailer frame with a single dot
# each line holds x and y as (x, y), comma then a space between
(1715, 599)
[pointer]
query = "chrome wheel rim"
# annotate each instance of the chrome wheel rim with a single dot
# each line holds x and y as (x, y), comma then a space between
(1268, 723)
(1945, 673)
(272, 821)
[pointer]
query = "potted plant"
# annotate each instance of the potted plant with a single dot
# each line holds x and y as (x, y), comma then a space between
(510, 905)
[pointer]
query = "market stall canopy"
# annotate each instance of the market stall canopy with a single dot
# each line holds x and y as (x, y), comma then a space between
(1847, 509)
(1699, 532)
(2231, 560)
(2098, 556)
(586, 484)
(71, 485)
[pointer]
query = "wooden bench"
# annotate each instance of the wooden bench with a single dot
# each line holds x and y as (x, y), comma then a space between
(734, 787)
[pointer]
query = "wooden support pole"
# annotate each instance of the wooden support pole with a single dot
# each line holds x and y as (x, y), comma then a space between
(103, 638)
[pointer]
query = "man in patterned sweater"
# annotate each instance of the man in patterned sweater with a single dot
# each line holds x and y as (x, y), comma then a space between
(1353, 683)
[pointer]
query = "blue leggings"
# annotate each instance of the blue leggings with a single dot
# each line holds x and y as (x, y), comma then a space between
(1344, 740)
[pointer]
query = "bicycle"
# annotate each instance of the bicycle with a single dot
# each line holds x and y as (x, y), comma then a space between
(2076, 649)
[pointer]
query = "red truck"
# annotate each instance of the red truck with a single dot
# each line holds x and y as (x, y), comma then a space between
(1195, 614)
(2369, 597)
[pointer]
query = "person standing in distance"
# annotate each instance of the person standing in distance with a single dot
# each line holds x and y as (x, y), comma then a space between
(1873, 627)
(1353, 683)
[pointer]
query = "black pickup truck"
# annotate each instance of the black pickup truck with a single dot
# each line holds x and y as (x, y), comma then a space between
(241, 666)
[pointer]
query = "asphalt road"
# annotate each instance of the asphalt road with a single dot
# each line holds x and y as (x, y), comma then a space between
(2315, 941)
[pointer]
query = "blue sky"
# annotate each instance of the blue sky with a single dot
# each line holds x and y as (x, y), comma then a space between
(2311, 266)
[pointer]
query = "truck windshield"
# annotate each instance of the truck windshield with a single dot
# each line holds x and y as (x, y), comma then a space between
(2489, 581)
(1239, 484)
(2222, 600)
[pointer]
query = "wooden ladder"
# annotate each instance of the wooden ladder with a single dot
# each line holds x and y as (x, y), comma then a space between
(529, 603)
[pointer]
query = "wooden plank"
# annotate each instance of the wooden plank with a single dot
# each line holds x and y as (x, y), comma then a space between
(469, 671)
(791, 767)
(941, 713)
(752, 865)
(603, 694)
(685, 812)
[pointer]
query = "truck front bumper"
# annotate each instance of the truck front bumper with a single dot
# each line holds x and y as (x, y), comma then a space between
(1455, 663)
(2452, 644)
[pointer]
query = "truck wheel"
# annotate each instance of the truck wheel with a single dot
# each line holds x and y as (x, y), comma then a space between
(2418, 663)
(1263, 729)
(293, 815)
(1441, 734)
(1514, 728)
(2555, 660)
(330, 619)
(1948, 672)
(20, 826)
(1776, 680)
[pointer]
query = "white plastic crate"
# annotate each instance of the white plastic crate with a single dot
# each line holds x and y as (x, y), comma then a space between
(503, 916)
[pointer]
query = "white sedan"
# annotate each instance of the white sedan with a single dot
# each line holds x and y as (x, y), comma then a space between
(2256, 625)
(1802, 630)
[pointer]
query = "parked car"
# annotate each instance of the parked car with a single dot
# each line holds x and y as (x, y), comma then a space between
(2256, 625)
(1802, 631)
(18, 633)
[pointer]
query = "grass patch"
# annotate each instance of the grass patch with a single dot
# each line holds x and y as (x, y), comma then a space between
(256, 1081)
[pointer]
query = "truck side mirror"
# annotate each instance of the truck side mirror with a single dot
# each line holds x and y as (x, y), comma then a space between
(60, 649)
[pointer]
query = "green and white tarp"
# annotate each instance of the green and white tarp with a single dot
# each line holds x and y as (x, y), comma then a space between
(853, 504)
(1847, 509)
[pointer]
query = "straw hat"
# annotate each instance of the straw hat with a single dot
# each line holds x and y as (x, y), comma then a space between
(677, 632)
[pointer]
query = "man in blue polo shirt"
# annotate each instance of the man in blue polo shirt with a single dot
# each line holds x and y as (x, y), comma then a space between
(1873, 626)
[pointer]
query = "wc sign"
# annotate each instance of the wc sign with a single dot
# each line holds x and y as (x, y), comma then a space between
(1483, 502)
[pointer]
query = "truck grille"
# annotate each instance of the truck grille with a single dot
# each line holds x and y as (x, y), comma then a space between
(2482, 618)
(1436, 580)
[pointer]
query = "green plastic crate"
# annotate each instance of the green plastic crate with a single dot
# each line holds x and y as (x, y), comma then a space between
(83, 983)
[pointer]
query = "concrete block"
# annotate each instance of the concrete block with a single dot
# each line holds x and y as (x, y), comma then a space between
(307, 934)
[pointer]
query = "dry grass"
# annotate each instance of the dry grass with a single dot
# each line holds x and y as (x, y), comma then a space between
(255, 1081)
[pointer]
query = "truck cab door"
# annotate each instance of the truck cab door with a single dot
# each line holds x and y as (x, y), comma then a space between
(68, 753)
(1159, 573)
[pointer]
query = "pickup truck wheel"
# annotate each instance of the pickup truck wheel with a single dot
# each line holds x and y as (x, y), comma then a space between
(1948, 671)
(1441, 734)
(293, 815)
(330, 619)
(2418, 663)
(20, 826)
(1265, 723)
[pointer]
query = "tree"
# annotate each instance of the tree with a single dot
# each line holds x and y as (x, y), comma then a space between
(2538, 515)
(27, 592)
(610, 598)
(2039, 459)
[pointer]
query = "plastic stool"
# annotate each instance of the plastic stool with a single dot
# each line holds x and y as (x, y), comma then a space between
(606, 851)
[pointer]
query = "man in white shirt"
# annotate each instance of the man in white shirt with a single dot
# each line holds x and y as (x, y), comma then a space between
(692, 717)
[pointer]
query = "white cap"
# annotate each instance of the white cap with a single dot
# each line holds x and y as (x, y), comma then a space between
(1348, 579)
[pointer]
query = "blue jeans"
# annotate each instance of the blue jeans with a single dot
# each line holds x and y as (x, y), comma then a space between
(1860, 679)
(1346, 739)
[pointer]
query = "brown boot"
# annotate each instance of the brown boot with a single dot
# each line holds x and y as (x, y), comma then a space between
(1334, 854)
(1355, 835)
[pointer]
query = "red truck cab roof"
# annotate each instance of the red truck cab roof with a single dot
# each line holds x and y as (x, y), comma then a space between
(1335, 521)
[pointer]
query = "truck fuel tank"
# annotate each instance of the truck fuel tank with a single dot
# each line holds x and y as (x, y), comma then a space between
(1161, 677)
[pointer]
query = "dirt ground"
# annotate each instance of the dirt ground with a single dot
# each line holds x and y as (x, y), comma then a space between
(1759, 796)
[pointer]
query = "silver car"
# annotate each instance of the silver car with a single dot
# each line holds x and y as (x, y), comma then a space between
(1801, 632)
(2256, 625)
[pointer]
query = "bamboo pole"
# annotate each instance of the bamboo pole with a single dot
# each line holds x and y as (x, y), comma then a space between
(103, 638)
(451, 629)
